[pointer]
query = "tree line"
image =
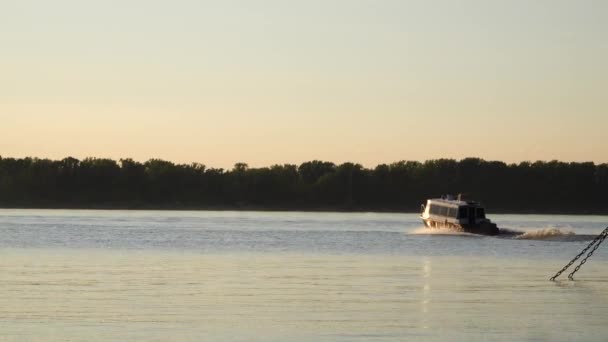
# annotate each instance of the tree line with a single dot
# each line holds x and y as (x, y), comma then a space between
(526, 187)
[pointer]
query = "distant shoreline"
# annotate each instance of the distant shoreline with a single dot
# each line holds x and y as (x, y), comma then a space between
(315, 186)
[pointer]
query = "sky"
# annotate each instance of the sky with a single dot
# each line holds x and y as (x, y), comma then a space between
(274, 82)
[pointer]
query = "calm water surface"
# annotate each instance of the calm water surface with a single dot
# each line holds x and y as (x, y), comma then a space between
(240, 276)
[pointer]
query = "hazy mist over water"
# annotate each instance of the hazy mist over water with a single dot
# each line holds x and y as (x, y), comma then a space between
(186, 275)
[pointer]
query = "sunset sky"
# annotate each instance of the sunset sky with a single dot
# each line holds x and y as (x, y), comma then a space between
(267, 82)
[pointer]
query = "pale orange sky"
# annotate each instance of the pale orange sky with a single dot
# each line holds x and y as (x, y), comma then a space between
(267, 82)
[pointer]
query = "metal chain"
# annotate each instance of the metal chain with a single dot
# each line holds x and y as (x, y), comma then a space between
(598, 239)
(571, 275)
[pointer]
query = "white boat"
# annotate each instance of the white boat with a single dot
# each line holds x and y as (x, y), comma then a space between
(458, 215)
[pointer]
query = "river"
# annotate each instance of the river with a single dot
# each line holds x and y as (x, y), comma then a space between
(83, 275)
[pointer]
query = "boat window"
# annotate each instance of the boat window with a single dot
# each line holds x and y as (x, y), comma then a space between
(462, 212)
(471, 214)
(481, 213)
(439, 210)
(452, 212)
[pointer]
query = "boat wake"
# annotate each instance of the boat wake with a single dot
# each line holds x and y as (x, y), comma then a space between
(548, 234)
(544, 234)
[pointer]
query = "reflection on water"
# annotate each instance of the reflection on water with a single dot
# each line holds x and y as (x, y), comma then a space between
(426, 291)
(156, 295)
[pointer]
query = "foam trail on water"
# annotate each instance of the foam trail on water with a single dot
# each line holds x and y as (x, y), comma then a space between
(546, 234)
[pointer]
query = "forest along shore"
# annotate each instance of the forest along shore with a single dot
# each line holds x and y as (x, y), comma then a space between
(95, 183)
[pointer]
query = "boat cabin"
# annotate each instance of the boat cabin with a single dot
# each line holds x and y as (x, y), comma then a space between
(461, 210)
(450, 212)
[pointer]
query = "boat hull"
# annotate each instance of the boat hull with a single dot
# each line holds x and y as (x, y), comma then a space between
(484, 228)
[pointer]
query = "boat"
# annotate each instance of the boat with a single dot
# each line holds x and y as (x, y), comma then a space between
(458, 215)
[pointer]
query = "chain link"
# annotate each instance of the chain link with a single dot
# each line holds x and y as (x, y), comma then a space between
(571, 275)
(597, 241)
